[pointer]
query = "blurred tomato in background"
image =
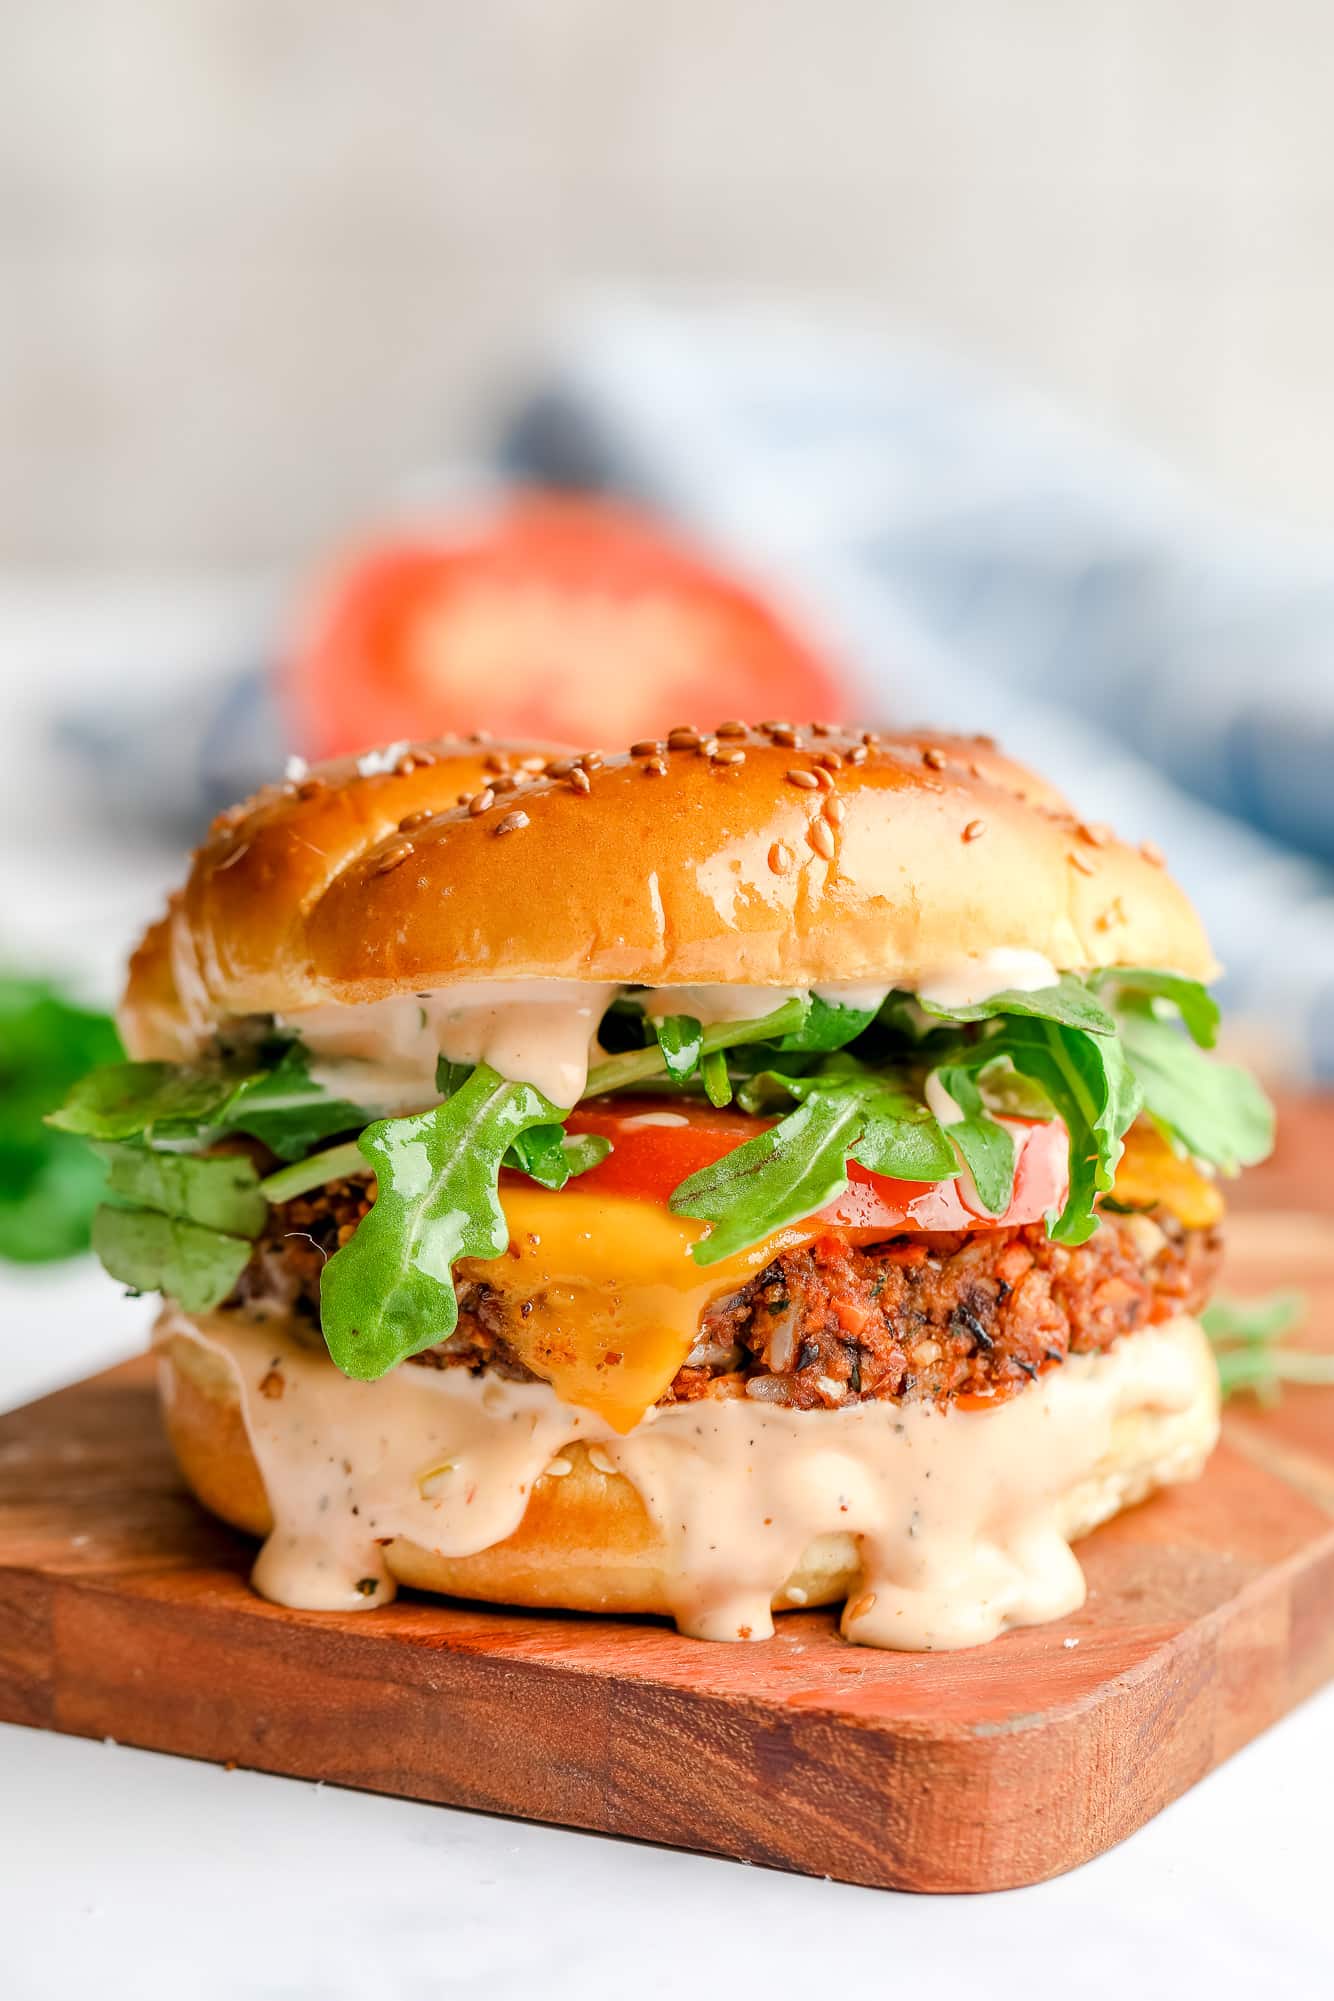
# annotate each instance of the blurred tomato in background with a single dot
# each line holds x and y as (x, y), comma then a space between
(565, 619)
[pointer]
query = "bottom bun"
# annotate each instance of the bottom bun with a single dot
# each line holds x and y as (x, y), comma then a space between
(588, 1536)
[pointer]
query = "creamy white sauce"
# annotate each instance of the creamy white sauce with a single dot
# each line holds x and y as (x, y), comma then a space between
(714, 1004)
(961, 1515)
(383, 1054)
(983, 975)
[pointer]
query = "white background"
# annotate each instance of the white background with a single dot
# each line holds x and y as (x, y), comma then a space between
(124, 1874)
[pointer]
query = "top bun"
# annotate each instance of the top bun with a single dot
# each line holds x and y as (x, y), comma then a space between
(765, 857)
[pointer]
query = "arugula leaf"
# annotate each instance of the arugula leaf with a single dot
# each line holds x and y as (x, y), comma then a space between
(1195, 1004)
(389, 1292)
(828, 1025)
(1068, 1002)
(288, 1111)
(717, 1083)
(1214, 1110)
(1089, 1083)
(901, 1137)
(221, 1191)
(1244, 1336)
(985, 1148)
(551, 1156)
(151, 1252)
(681, 1040)
(778, 1177)
(645, 1066)
(50, 1183)
(146, 1100)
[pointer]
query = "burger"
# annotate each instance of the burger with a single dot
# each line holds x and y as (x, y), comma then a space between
(767, 1169)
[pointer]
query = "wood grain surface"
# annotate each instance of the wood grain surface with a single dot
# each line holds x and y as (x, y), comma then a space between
(124, 1612)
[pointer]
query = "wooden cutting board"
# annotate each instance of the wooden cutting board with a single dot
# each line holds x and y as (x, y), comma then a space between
(124, 1612)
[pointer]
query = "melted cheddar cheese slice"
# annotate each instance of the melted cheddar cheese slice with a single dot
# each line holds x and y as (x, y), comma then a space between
(1151, 1176)
(607, 1299)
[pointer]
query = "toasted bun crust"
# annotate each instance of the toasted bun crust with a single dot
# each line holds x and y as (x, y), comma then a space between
(586, 1542)
(747, 857)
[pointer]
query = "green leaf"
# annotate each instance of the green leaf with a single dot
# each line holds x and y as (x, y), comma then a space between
(903, 1139)
(681, 1040)
(781, 1175)
(1244, 1335)
(717, 1083)
(1214, 1111)
(647, 1066)
(221, 1191)
(389, 1292)
(139, 1100)
(50, 1183)
(1089, 1083)
(288, 1111)
(552, 1157)
(151, 1252)
(985, 1148)
(828, 1025)
(1069, 1002)
(1195, 1004)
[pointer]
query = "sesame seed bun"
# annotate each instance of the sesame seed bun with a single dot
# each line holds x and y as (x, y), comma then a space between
(771, 856)
(587, 1543)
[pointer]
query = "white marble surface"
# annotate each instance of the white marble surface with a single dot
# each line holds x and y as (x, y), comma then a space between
(124, 1874)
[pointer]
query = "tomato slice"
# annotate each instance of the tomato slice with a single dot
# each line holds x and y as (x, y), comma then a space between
(564, 619)
(656, 1144)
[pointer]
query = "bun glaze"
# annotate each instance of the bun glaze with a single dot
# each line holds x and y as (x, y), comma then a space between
(768, 857)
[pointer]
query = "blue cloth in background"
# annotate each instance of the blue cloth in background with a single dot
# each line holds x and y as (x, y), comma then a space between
(982, 562)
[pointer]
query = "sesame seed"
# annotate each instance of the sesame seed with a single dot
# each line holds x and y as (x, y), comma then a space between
(392, 857)
(807, 780)
(656, 767)
(592, 760)
(708, 746)
(600, 1461)
(858, 753)
(535, 764)
(821, 837)
(731, 729)
(497, 761)
(829, 760)
(729, 756)
(1153, 853)
(860, 1606)
(509, 781)
(934, 760)
(512, 823)
(683, 738)
(562, 768)
(1095, 834)
(479, 736)
(1082, 863)
(784, 736)
(417, 819)
(824, 777)
(646, 747)
(834, 809)
(423, 759)
(824, 729)
(310, 788)
(580, 780)
(870, 736)
(481, 802)
(463, 798)
(975, 830)
(987, 742)
(781, 858)
(974, 771)
(406, 764)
